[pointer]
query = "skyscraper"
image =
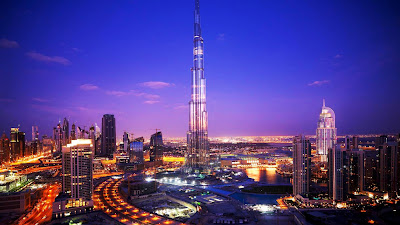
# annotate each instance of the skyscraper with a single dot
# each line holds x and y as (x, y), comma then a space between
(197, 155)
(35, 133)
(156, 148)
(326, 132)
(17, 143)
(77, 168)
(136, 151)
(4, 149)
(65, 132)
(108, 132)
(301, 165)
(336, 157)
(389, 168)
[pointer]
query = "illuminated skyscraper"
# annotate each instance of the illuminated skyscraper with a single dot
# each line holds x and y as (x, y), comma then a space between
(77, 167)
(197, 156)
(301, 165)
(326, 132)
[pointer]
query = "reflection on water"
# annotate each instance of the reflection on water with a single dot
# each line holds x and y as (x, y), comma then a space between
(266, 175)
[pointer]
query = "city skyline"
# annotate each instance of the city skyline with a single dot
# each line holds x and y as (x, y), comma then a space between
(59, 74)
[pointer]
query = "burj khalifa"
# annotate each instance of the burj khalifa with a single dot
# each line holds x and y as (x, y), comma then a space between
(197, 155)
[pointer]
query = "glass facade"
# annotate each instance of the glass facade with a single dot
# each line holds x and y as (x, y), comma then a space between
(197, 156)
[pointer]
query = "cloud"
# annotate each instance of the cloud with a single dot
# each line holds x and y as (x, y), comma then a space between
(181, 107)
(151, 102)
(319, 82)
(77, 50)
(133, 93)
(221, 37)
(40, 100)
(338, 56)
(48, 59)
(4, 43)
(156, 84)
(88, 87)
(6, 100)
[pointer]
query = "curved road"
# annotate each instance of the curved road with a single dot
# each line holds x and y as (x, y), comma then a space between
(107, 198)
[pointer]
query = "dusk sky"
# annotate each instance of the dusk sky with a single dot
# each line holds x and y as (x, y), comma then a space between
(268, 65)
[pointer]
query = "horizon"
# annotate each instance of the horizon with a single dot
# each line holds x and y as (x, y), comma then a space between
(136, 65)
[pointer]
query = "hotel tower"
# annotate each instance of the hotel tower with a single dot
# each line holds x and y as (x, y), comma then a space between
(197, 156)
(326, 132)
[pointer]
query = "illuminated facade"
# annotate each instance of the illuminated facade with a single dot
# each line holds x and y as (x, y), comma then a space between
(326, 132)
(77, 168)
(301, 165)
(197, 156)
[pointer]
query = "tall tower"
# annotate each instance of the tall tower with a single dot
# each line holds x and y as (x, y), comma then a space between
(326, 132)
(109, 135)
(197, 155)
(301, 165)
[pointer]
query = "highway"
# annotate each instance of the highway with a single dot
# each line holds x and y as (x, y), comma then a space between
(107, 198)
(42, 211)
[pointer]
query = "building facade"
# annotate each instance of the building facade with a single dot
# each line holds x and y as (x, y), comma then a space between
(156, 148)
(326, 132)
(109, 137)
(77, 168)
(301, 165)
(197, 155)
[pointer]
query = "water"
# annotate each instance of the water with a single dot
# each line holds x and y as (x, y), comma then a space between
(266, 175)
(263, 175)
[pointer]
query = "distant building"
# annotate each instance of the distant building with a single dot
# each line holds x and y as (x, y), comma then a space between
(65, 132)
(125, 141)
(301, 165)
(371, 175)
(17, 143)
(4, 149)
(136, 151)
(108, 132)
(326, 132)
(35, 133)
(156, 148)
(389, 161)
(336, 172)
(73, 132)
(58, 139)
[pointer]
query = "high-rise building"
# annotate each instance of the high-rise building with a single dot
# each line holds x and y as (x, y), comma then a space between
(326, 132)
(379, 141)
(73, 132)
(371, 178)
(35, 133)
(355, 170)
(389, 160)
(136, 151)
(156, 148)
(125, 140)
(77, 168)
(58, 139)
(336, 157)
(197, 155)
(65, 132)
(301, 165)
(17, 143)
(108, 132)
(4, 149)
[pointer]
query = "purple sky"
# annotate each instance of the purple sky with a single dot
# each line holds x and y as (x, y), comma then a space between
(268, 65)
